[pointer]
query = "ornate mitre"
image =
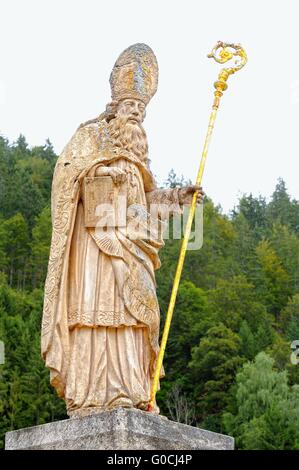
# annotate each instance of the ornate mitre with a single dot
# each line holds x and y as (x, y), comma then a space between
(135, 74)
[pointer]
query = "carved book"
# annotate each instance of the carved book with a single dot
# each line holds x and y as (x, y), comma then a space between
(104, 202)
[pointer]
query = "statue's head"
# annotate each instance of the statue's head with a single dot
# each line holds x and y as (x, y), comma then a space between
(125, 127)
(134, 81)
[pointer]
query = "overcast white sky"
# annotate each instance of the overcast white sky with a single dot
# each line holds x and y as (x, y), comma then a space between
(56, 58)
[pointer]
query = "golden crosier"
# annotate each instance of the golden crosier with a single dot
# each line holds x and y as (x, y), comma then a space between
(220, 85)
(225, 54)
(222, 53)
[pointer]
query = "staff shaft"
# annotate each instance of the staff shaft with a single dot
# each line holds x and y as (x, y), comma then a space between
(181, 260)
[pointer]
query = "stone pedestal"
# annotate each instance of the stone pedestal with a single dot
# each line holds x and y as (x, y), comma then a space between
(119, 429)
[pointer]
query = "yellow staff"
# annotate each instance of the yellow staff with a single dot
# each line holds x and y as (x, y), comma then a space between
(222, 52)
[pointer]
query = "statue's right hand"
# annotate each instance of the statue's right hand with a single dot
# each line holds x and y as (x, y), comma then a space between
(119, 176)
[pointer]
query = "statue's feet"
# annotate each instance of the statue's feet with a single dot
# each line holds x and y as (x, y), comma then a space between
(86, 411)
(121, 402)
(91, 410)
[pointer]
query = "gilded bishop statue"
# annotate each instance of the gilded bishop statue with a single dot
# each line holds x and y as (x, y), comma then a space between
(101, 316)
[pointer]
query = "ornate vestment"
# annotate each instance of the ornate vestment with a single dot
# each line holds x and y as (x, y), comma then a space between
(100, 296)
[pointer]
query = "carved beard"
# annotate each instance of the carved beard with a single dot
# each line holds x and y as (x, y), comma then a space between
(129, 136)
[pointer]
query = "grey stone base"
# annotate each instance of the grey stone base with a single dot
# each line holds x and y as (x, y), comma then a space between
(119, 429)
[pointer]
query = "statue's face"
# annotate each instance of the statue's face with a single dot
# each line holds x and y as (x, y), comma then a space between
(131, 109)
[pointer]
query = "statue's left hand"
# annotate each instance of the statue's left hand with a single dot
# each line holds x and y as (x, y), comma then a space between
(186, 193)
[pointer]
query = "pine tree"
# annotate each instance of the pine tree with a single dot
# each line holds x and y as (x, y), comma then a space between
(282, 209)
(274, 281)
(214, 364)
(15, 244)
